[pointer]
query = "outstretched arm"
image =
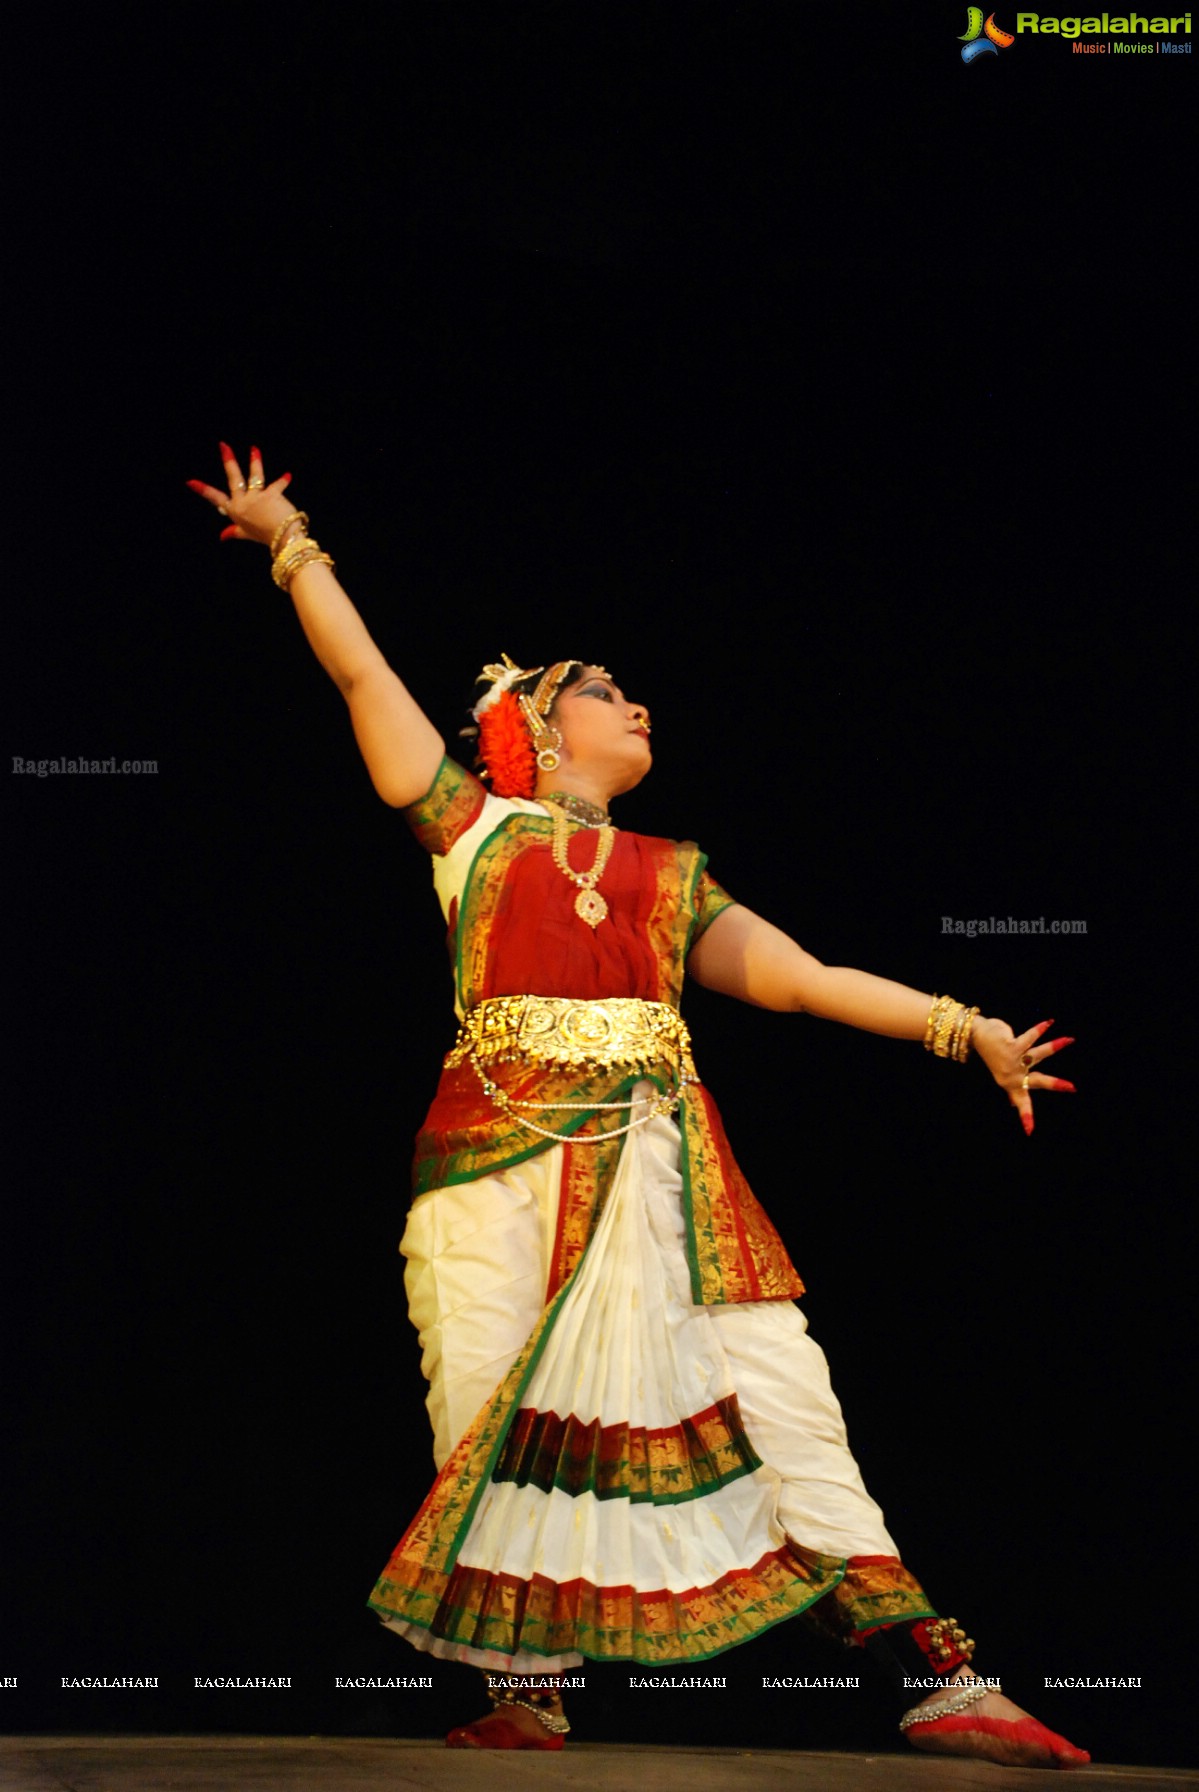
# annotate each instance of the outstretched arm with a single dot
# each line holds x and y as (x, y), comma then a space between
(399, 743)
(742, 955)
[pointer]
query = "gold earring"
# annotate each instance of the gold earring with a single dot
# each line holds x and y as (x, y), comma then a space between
(547, 753)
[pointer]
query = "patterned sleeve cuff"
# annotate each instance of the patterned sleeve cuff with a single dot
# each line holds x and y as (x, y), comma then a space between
(710, 900)
(452, 802)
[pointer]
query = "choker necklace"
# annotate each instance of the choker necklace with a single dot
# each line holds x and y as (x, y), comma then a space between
(589, 815)
(589, 904)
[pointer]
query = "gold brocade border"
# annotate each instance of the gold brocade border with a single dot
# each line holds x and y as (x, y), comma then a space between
(874, 1592)
(587, 1176)
(710, 900)
(622, 1461)
(542, 1617)
(671, 916)
(880, 1592)
(448, 807)
(734, 1252)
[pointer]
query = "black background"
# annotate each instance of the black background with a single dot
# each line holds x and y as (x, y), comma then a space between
(832, 393)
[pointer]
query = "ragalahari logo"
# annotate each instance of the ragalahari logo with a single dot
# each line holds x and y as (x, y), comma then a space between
(981, 39)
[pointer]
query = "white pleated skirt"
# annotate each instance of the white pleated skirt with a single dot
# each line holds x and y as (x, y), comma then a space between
(630, 1367)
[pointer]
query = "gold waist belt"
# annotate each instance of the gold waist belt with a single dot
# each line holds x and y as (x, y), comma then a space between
(618, 1033)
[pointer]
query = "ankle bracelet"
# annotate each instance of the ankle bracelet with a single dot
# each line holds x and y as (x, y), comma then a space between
(970, 1695)
(944, 1642)
(536, 1702)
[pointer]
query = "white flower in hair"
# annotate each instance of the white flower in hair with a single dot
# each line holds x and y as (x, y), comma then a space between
(502, 678)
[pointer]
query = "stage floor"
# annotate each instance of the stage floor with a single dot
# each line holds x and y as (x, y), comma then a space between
(317, 1764)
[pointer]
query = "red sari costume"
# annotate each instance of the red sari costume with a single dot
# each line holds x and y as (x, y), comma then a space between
(648, 1526)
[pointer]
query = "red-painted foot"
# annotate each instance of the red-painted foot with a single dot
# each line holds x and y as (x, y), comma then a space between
(1025, 1743)
(498, 1731)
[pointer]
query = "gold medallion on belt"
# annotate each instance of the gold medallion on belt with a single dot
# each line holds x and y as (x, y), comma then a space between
(613, 1033)
(617, 1032)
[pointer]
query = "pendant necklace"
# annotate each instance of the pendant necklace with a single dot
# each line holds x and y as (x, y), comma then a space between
(589, 904)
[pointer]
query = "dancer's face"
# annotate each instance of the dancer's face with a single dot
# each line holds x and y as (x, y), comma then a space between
(600, 726)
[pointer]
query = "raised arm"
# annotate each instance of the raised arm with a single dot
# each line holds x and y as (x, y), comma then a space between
(742, 955)
(399, 743)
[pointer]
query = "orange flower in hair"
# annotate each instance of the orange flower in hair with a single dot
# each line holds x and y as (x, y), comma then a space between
(506, 748)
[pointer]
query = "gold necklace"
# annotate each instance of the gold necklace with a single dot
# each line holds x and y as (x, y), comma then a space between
(589, 904)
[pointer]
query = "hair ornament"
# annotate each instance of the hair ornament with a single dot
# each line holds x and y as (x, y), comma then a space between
(515, 738)
(500, 678)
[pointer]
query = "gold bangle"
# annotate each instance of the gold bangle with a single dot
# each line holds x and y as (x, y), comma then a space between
(291, 551)
(284, 562)
(303, 551)
(955, 1039)
(936, 1015)
(290, 548)
(299, 516)
(948, 1029)
(284, 577)
(944, 1026)
(967, 1033)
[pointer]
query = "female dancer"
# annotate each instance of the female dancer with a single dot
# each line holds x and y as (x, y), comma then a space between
(639, 1452)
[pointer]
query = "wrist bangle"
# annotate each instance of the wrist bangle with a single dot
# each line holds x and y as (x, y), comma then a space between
(303, 551)
(948, 1028)
(301, 517)
(283, 572)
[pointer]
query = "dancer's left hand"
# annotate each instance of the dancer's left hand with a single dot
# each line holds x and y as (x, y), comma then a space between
(256, 510)
(1010, 1058)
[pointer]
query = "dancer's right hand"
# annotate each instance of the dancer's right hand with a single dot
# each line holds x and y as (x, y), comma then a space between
(255, 510)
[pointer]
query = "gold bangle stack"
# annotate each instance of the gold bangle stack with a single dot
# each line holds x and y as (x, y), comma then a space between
(303, 551)
(949, 1027)
(297, 516)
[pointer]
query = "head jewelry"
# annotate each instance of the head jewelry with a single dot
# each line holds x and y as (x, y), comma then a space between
(515, 738)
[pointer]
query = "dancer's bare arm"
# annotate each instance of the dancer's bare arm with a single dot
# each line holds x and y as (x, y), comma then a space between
(399, 743)
(742, 955)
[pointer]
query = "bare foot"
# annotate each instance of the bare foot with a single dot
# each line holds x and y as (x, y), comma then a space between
(509, 1726)
(992, 1729)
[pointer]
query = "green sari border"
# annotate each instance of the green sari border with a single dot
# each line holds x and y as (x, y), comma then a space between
(692, 1248)
(549, 1320)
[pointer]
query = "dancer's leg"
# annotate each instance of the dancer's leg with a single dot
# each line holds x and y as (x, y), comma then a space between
(477, 1261)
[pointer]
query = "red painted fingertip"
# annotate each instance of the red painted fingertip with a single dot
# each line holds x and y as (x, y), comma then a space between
(285, 479)
(1059, 1082)
(231, 533)
(1059, 1045)
(226, 451)
(1026, 1122)
(256, 454)
(194, 485)
(1044, 1026)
